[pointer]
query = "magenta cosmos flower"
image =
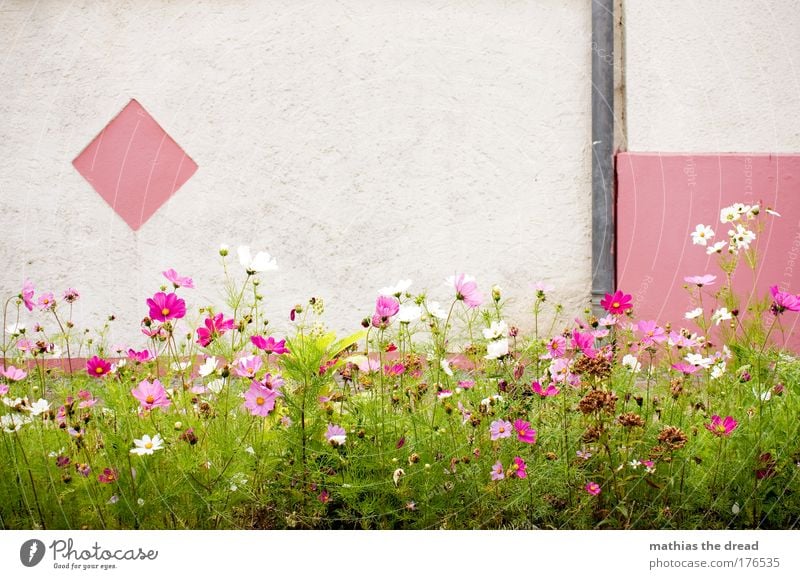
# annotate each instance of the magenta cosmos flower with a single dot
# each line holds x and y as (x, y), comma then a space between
(385, 308)
(270, 345)
(500, 429)
(584, 342)
(722, 427)
(335, 435)
(782, 301)
(700, 280)
(618, 303)
(259, 400)
(593, 488)
(27, 295)
(466, 290)
(109, 475)
(524, 431)
(97, 367)
(151, 394)
(177, 280)
(551, 389)
(518, 468)
(141, 356)
(165, 307)
(557, 347)
(214, 327)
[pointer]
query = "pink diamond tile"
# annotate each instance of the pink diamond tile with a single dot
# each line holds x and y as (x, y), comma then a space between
(134, 165)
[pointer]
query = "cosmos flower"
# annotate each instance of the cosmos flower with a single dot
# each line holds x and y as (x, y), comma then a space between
(593, 488)
(260, 400)
(466, 289)
(151, 395)
(147, 445)
(165, 307)
(335, 435)
(97, 367)
(178, 281)
(270, 345)
(702, 234)
(721, 426)
(618, 303)
(524, 432)
(497, 471)
(214, 327)
(260, 263)
(500, 429)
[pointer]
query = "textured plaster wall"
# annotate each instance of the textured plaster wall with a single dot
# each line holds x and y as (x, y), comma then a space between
(358, 141)
(712, 76)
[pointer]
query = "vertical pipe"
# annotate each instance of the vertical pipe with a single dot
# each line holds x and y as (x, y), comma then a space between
(603, 254)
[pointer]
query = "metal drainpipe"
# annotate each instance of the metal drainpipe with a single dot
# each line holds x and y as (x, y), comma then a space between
(603, 254)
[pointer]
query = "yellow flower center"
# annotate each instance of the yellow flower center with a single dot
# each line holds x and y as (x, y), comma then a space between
(522, 432)
(515, 467)
(615, 305)
(98, 370)
(165, 312)
(149, 399)
(501, 429)
(260, 401)
(148, 445)
(720, 428)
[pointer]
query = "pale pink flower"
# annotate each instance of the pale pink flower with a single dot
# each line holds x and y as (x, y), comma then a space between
(497, 471)
(500, 429)
(46, 301)
(466, 290)
(14, 374)
(335, 435)
(259, 400)
(247, 366)
(700, 280)
(178, 281)
(27, 294)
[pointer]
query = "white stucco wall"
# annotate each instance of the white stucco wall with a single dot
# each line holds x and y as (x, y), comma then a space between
(712, 76)
(358, 141)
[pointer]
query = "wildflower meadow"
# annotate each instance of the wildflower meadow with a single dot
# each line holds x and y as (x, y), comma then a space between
(437, 412)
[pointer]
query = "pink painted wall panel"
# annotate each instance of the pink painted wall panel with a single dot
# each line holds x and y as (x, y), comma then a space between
(134, 165)
(660, 200)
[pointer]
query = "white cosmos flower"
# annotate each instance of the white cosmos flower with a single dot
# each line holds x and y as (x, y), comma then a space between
(699, 360)
(497, 349)
(13, 422)
(715, 247)
(395, 290)
(695, 313)
(147, 445)
(496, 330)
(409, 313)
(765, 396)
(445, 364)
(216, 385)
(741, 237)
(261, 262)
(437, 311)
(39, 407)
(718, 370)
(721, 315)
(15, 328)
(630, 361)
(728, 215)
(772, 212)
(208, 367)
(702, 234)
(180, 366)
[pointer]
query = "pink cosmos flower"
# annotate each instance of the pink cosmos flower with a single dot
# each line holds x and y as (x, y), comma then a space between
(259, 400)
(3, 389)
(722, 427)
(109, 475)
(444, 394)
(551, 389)
(557, 347)
(593, 488)
(685, 368)
(165, 307)
(142, 356)
(500, 429)
(584, 343)
(524, 431)
(271, 382)
(335, 435)
(214, 327)
(497, 471)
(14, 374)
(651, 332)
(97, 367)
(618, 303)
(177, 280)
(86, 399)
(542, 287)
(71, 295)
(151, 394)
(247, 366)
(466, 415)
(518, 468)
(46, 301)
(466, 290)
(782, 301)
(324, 496)
(466, 384)
(385, 308)
(25, 345)
(270, 345)
(393, 369)
(27, 294)
(700, 280)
